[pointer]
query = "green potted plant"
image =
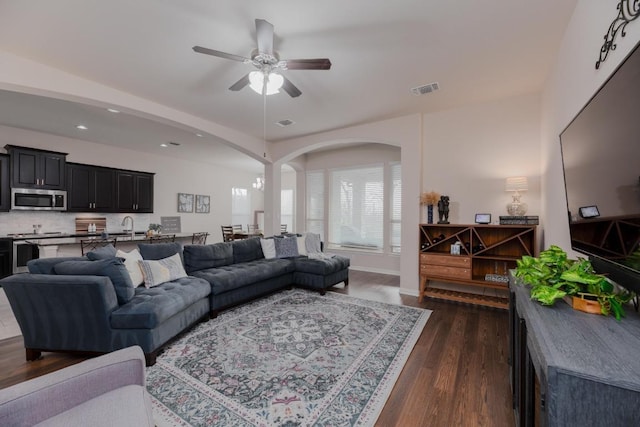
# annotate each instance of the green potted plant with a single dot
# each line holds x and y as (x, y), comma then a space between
(154, 229)
(554, 276)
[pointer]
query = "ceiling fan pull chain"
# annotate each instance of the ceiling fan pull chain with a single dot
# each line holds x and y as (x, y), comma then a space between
(264, 118)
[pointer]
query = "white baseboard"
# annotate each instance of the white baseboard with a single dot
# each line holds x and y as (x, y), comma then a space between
(410, 292)
(375, 270)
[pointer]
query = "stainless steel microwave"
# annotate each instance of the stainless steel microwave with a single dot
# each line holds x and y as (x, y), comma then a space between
(32, 199)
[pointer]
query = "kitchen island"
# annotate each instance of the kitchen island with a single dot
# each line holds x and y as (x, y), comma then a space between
(57, 244)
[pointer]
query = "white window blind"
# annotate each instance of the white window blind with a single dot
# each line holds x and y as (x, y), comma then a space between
(240, 207)
(357, 208)
(315, 202)
(395, 217)
(286, 208)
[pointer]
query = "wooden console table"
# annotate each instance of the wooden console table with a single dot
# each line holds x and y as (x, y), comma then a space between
(486, 254)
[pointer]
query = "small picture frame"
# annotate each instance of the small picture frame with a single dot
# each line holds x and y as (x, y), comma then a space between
(589, 212)
(185, 202)
(203, 203)
(483, 218)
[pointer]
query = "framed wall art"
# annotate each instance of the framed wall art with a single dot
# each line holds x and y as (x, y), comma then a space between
(185, 202)
(203, 203)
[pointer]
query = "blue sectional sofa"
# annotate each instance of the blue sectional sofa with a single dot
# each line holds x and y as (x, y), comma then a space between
(238, 271)
(77, 305)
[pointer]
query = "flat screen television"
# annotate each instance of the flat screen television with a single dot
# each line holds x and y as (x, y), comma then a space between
(601, 162)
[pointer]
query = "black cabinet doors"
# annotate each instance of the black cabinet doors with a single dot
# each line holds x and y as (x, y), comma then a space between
(90, 188)
(37, 169)
(5, 188)
(135, 192)
(6, 257)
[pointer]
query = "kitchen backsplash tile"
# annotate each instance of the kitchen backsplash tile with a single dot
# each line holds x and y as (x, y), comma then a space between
(23, 222)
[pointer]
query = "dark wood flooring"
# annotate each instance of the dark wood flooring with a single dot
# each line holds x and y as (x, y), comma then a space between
(457, 374)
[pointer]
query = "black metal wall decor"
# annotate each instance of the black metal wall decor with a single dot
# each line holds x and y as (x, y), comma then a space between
(628, 10)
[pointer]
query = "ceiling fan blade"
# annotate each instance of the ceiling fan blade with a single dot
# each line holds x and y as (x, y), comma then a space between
(308, 64)
(219, 54)
(240, 83)
(264, 36)
(290, 88)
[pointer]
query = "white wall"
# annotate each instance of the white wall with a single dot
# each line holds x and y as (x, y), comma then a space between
(570, 85)
(172, 176)
(469, 152)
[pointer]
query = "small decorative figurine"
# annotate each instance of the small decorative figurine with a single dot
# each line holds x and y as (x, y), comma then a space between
(443, 210)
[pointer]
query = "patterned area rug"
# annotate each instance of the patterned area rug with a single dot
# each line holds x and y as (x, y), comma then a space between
(292, 359)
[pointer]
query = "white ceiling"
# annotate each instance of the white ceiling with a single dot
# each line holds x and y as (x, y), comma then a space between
(475, 50)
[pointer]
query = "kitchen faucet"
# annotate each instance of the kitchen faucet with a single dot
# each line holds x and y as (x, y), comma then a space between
(124, 221)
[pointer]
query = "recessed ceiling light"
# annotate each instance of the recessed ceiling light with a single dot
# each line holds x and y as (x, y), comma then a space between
(81, 127)
(199, 135)
(163, 145)
(113, 110)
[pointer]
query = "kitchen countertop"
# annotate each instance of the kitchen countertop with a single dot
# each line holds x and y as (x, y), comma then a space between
(52, 239)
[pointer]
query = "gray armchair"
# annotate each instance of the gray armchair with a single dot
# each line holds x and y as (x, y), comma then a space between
(108, 390)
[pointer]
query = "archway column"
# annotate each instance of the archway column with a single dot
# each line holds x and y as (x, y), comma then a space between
(273, 183)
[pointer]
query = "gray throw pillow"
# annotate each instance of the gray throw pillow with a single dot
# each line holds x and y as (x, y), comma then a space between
(46, 265)
(286, 247)
(113, 268)
(108, 251)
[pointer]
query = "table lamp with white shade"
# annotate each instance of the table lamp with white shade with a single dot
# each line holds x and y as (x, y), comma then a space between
(516, 184)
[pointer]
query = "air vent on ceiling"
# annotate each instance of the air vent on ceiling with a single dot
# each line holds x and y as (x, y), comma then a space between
(285, 123)
(174, 143)
(423, 90)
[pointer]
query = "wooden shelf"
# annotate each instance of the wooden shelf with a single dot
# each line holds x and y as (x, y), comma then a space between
(484, 250)
(468, 298)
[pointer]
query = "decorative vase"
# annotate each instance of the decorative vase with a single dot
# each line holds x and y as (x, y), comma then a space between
(429, 214)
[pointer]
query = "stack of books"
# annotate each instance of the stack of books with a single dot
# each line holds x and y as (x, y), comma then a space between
(520, 220)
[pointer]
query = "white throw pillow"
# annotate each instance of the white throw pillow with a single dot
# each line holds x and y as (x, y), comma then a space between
(161, 271)
(302, 245)
(268, 248)
(313, 243)
(131, 263)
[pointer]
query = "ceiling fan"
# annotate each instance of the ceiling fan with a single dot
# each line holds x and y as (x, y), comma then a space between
(267, 78)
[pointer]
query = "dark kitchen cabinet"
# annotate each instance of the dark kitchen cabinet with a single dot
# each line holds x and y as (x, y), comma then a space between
(90, 188)
(134, 192)
(5, 188)
(33, 168)
(6, 257)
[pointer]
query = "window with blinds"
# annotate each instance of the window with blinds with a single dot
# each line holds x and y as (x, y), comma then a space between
(356, 213)
(315, 202)
(395, 209)
(240, 207)
(286, 208)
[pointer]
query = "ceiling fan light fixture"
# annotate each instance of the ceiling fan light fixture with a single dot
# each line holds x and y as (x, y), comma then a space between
(274, 82)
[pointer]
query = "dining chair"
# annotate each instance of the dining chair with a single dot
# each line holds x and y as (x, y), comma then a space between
(253, 228)
(199, 238)
(162, 238)
(87, 245)
(237, 228)
(227, 233)
(283, 228)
